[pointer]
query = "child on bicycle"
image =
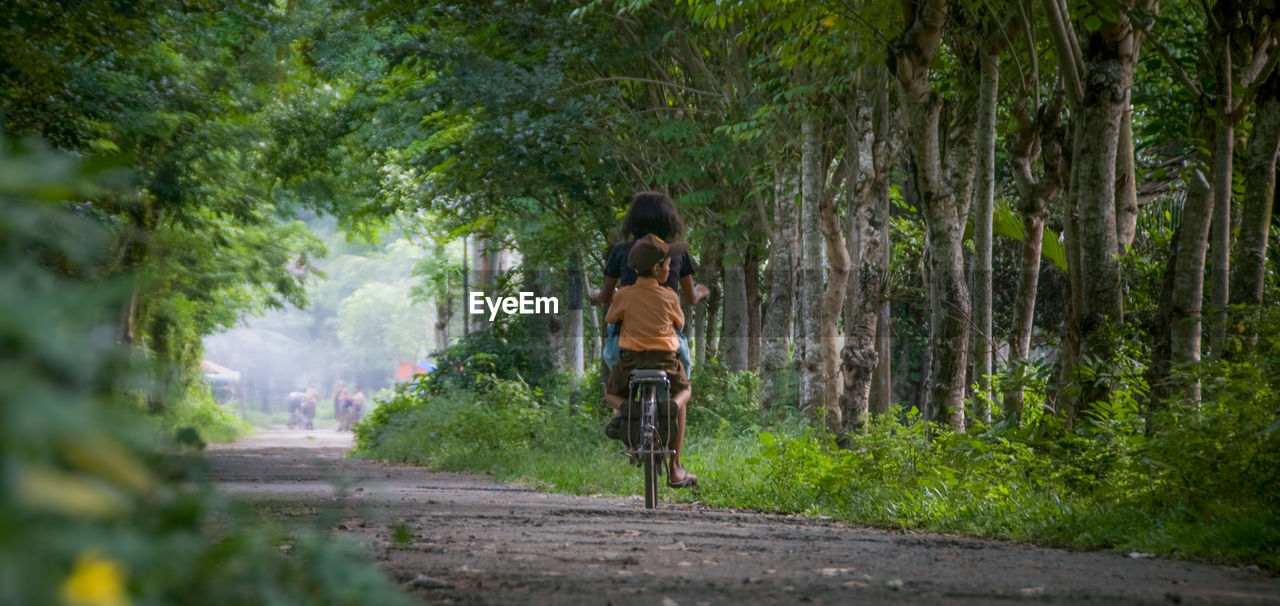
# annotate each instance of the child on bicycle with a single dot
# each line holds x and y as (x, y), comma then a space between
(650, 318)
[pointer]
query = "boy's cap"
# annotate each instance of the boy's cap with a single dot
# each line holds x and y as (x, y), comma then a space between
(651, 250)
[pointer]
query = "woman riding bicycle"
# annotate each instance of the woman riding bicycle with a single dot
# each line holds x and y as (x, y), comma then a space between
(651, 213)
(650, 318)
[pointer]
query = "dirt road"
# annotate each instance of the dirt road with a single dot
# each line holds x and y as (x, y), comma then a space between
(467, 540)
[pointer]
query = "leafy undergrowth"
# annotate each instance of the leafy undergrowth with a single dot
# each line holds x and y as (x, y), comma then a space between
(212, 421)
(99, 504)
(1199, 492)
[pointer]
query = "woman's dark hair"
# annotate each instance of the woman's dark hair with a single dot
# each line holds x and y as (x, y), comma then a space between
(654, 213)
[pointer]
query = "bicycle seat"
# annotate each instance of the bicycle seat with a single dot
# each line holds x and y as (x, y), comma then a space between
(648, 375)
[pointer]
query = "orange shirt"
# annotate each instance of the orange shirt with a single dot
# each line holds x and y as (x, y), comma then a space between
(649, 313)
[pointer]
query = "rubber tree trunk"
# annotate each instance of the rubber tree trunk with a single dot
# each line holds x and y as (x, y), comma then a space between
(1223, 152)
(1250, 265)
(1177, 327)
(1067, 397)
(751, 277)
(911, 54)
(733, 336)
(1107, 81)
(808, 347)
(1126, 184)
(869, 228)
(444, 315)
(1097, 80)
(781, 274)
(577, 359)
(1041, 137)
(982, 227)
(882, 385)
(829, 311)
(710, 271)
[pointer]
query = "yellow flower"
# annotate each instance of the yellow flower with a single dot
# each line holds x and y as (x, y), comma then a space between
(829, 22)
(95, 581)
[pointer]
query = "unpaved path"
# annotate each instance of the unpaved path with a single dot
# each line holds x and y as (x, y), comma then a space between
(468, 540)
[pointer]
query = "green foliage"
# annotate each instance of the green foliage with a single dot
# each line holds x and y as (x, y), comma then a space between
(725, 401)
(1104, 485)
(214, 422)
(97, 499)
(508, 350)
(1008, 224)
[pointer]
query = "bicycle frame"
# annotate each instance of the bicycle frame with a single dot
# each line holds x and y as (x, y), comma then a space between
(651, 450)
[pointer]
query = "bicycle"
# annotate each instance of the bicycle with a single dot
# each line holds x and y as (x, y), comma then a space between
(649, 448)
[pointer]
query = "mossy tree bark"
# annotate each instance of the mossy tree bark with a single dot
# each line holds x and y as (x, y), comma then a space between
(910, 56)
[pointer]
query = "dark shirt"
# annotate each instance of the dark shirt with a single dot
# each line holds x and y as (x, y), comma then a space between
(616, 267)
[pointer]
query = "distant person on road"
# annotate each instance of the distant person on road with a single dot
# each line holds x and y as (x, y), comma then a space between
(339, 397)
(650, 318)
(309, 400)
(651, 213)
(355, 411)
(295, 400)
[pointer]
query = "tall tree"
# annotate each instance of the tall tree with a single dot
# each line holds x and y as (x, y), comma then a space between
(911, 54)
(1176, 330)
(1241, 43)
(1097, 72)
(808, 345)
(995, 39)
(782, 277)
(1250, 264)
(876, 148)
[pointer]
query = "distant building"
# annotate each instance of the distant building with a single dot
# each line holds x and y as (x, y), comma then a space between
(222, 381)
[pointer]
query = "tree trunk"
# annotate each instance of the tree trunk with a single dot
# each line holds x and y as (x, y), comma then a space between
(1107, 83)
(1177, 326)
(911, 54)
(882, 383)
(707, 332)
(829, 311)
(1067, 399)
(982, 227)
(1041, 137)
(782, 287)
(869, 225)
(577, 359)
(1223, 152)
(1259, 194)
(1025, 302)
(752, 281)
(444, 315)
(808, 347)
(733, 337)
(1126, 183)
(1097, 82)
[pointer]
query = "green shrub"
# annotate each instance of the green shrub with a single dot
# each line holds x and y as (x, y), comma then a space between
(96, 498)
(510, 350)
(213, 422)
(1205, 485)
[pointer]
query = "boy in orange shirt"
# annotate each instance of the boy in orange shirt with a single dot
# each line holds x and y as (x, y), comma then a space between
(650, 315)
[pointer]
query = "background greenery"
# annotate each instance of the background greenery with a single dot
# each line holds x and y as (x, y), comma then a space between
(1207, 490)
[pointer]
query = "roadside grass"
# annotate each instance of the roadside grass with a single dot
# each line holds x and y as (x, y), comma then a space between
(1097, 491)
(213, 422)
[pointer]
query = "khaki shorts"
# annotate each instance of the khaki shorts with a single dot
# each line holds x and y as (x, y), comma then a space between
(629, 360)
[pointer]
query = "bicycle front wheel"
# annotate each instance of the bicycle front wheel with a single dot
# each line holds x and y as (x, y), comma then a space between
(649, 460)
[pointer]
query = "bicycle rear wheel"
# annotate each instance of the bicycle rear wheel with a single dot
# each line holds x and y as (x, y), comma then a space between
(652, 468)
